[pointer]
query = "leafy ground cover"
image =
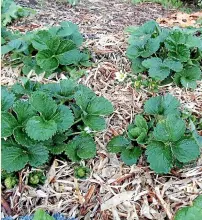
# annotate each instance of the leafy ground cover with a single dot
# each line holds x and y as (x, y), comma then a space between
(40, 125)
(119, 187)
(167, 55)
(46, 51)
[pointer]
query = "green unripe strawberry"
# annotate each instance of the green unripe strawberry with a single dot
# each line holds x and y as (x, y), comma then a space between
(34, 179)
(10, 182)
(81, 172)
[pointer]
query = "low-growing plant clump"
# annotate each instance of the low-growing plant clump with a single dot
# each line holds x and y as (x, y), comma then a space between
(52, 119)
(166, 55)
(56, 49)
(163, 134)
(11, 11)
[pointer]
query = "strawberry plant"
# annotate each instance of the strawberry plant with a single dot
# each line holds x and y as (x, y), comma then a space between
(162, 132)
(52, 50)
(11, 11)
(166, 54)
(43, 120)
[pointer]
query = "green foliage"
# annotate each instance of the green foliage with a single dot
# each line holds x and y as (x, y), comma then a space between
(52, 50)
(191, 212)
(162, 131)
(11, 11)
(42, 120)
(81, 172)
(166, 54)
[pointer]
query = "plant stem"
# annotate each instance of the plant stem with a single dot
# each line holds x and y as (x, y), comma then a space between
(77, 121)
(74, 133)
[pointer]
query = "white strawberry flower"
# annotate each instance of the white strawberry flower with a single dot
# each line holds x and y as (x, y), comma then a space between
(120, 76)
(87, 130)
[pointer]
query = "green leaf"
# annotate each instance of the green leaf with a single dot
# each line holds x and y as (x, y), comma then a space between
(138, 130)
(65, 45)
(133, 132)
(193, 212)
(83, 96)
(188, 76)
(152, 106)
(7, 99)
(64, 118)
(141, 122)
(68, 87)
(43, 103)
(31, 64)
(46, 60)
(24, 110)
(58, 149)
(170, 105)
(160, 157)
(175, 37)
(71, 149)
(159, 69)
(181, 53)
(186, 150)
(53, 44)
(81, 147)
(142, 138)
(148, 28)
(41, 39)
(8, 124)
(162, 105)
(198, 201)
(150, 47)
(172, 129)
(137, 66)
(99, 106)
(118, 144)
(67, 28)
(22, 138)
(86, 148)
(96, 123)
(42, 215)
(14, 159)
(9, 142)
(144, 48)
(176, 66)
(6, 49)
(38, 155)
(130, 156)
(189, 213)
(39, 129)
(69, 57)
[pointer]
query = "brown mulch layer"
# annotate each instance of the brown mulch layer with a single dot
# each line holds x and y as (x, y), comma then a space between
(113, 190)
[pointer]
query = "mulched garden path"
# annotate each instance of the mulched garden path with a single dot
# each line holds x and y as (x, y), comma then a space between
(113, 190)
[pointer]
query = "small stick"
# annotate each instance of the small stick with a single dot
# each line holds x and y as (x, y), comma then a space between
(121, 179)
(89, 194)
